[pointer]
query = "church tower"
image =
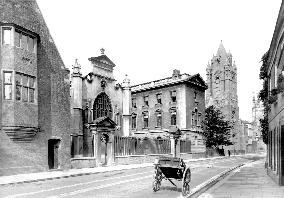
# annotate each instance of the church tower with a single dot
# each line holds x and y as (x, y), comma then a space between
(222, 86)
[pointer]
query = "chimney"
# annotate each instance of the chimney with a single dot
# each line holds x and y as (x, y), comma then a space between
(176, 73)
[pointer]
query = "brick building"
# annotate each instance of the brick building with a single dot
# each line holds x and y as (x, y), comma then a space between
(34, 93)
(275, 149)
(222, 90)
(178, 101)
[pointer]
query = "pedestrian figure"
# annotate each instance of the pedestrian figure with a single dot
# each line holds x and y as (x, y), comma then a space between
(229, 153)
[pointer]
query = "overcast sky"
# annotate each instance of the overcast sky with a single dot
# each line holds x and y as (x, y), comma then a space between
(147, 39)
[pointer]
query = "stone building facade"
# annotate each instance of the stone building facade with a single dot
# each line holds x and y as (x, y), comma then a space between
(222, 89)
(150, 110)
(34, 93)
(275, 149)
(176, 101)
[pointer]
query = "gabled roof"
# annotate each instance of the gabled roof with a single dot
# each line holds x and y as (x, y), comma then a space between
(198, 79)
(104, 122)
(102, 59)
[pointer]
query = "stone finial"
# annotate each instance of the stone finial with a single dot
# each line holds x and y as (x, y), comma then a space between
(126, 81)
(102, 51)
(76, 68)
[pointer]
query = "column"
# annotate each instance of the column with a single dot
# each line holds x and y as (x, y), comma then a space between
(126, 101)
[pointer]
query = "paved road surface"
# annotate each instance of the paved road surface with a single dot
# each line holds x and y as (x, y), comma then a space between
(134, 183)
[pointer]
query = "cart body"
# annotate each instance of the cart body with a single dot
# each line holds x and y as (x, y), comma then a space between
(169, 168)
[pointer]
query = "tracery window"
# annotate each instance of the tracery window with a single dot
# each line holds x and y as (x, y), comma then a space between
(102, 106)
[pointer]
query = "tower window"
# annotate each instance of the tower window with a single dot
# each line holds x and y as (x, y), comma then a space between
(7, 85)
(6, 38)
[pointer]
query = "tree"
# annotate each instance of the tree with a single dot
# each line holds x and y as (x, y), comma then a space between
(216, 129)
(263, 96)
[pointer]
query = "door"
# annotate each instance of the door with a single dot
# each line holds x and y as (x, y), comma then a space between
(104, 148)
(53, 145)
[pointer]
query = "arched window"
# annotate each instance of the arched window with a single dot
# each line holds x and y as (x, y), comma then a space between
(102, 106)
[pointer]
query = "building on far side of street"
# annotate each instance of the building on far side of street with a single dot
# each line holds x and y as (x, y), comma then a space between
(34, 93)
(275, 149)
(175, 101)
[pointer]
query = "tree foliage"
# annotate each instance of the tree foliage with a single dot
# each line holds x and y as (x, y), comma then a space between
(216, 129)
(263, 96)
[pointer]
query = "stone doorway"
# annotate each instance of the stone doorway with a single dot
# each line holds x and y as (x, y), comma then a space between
(103, 129)
(53, 146)
(104, 148)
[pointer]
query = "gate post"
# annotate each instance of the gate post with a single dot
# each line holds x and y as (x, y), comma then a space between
(110, 149)
(97, 147)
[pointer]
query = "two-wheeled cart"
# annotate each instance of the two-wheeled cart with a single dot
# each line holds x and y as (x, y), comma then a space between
(169, 168)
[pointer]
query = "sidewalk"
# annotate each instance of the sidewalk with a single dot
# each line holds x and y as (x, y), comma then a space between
(249, 181)
(41, 176)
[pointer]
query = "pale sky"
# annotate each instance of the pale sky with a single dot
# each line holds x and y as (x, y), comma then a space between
(147, 39)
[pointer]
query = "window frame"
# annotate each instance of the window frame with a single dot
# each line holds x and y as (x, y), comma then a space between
(146, 102)
(134, 102)
(145, 116)
(3, 35)
(134, 124)
(173, 95)
(159, 98)
(159, 119)
(27, 86)
(10, 84)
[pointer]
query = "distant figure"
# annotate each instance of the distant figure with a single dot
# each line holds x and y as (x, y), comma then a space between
(229, 153)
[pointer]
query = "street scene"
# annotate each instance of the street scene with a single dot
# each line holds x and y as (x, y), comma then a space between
(125, 183)
(142, 99)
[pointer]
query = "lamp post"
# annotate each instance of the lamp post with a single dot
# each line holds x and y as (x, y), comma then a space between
(175, 134)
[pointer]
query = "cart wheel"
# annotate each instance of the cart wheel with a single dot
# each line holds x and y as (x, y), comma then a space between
(156, 185)
(185, 182)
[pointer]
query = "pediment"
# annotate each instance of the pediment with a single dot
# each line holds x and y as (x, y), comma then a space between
(103, 59)
(198, 79)
(104, 122)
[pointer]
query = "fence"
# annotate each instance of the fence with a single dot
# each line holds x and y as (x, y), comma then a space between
(185, 146)
(136, 146)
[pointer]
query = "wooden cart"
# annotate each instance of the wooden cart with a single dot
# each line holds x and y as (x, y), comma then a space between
(169, 168)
